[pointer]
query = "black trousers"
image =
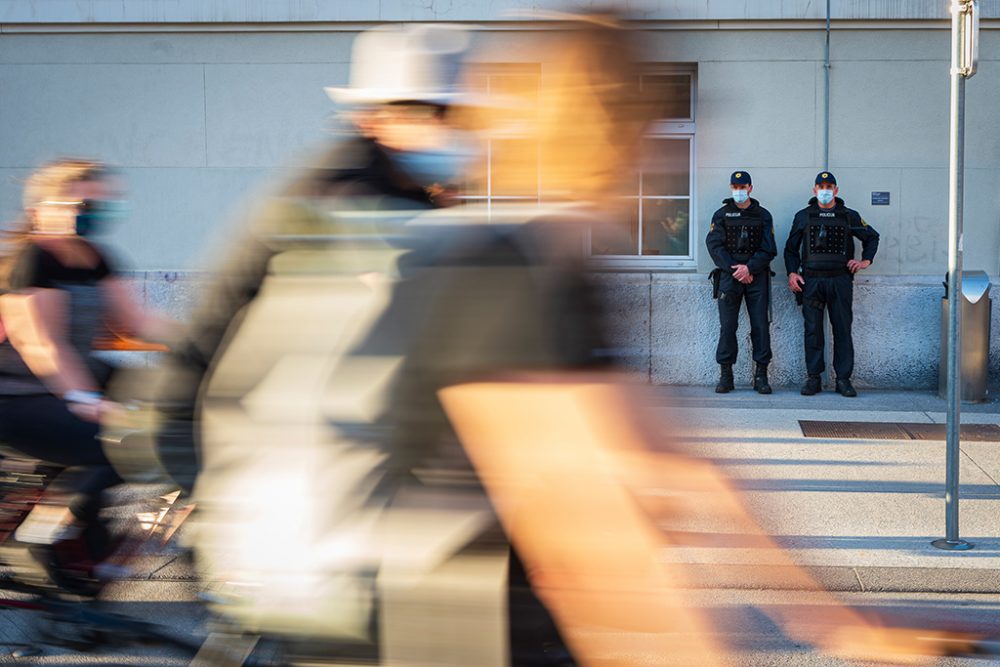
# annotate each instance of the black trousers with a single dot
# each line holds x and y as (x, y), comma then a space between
(731, 293)
(835, 295)
(43, 428)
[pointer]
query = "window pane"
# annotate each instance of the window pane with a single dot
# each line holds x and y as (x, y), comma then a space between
(514, 167)
(619, 237)
(665, 227)
(475, 177)
(513, 88)
(670, 92)
(666, 167)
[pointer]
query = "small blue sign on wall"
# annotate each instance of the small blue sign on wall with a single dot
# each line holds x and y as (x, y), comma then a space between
(880, 199)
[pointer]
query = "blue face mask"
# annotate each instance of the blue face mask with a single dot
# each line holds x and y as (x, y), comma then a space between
(426, 168)
(442, 166)
(429, 167)
(824, 196)
(740, 196)
(96, 214)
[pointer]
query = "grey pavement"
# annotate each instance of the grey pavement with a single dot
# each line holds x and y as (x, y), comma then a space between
(860, 513)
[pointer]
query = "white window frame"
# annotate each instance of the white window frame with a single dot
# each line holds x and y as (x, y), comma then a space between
(499, 69)
(664, 129)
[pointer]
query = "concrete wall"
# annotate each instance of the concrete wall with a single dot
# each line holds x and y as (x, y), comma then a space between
(248, 11)
(665, 327)
(196, 122)
(200, 120)
(889, 132)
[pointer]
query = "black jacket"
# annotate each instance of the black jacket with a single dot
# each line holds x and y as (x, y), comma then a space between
(356, 172)
(859, 230)
(716, 240)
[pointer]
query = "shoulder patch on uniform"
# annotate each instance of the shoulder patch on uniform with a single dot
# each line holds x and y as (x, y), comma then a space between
(711, 227)
(863, 223)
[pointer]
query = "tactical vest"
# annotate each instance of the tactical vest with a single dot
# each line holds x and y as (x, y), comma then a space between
(744, 236)
(827, 238)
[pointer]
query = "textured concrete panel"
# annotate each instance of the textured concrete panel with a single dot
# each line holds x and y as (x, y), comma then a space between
(789, 365)
(172, 293)
(685, 334)
(125, 114)
(767, 118)
(896, 333)
(177, 47)
(889, 114)
(626, 296)
(994, 375)
(684, 325)
(667, 325)
(262, 115)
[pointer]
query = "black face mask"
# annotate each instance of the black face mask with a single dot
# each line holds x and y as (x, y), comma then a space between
(96, 214)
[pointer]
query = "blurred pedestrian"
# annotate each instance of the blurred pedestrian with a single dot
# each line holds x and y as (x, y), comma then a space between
(59, 292)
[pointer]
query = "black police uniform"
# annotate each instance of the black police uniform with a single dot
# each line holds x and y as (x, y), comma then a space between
(743, 236)
(819, 247)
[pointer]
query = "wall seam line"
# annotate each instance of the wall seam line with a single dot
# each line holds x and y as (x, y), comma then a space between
(204, 99)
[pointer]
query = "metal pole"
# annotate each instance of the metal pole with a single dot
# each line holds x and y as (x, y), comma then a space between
(956, 164)
(826, 83)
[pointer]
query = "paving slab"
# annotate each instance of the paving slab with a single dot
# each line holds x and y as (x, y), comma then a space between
(861, 512)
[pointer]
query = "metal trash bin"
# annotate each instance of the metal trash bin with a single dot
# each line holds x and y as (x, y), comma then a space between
(974, 357)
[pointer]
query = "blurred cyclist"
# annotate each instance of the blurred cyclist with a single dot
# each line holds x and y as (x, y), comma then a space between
(60, 291)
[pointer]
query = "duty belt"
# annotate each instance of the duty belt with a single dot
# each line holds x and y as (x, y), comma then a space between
(809, 273)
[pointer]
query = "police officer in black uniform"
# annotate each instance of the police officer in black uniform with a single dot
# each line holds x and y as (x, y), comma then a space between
(741, 243)
(819, 258)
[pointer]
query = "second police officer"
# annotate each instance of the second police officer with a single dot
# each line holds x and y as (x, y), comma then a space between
(741, 243)
(819, 258)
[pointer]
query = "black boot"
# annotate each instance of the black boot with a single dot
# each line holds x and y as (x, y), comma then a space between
(845, 388)
(813, 386)
(760, 384)
(726, 384)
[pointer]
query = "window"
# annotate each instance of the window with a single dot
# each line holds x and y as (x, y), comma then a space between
(510, 165)
(656, 229)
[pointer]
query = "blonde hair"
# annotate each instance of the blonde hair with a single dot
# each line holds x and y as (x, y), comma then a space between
(50, 182)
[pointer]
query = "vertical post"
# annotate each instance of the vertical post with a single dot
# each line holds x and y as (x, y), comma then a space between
(960, 34)
(826, 98)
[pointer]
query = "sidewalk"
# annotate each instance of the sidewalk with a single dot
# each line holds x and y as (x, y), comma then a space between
(861, 513)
